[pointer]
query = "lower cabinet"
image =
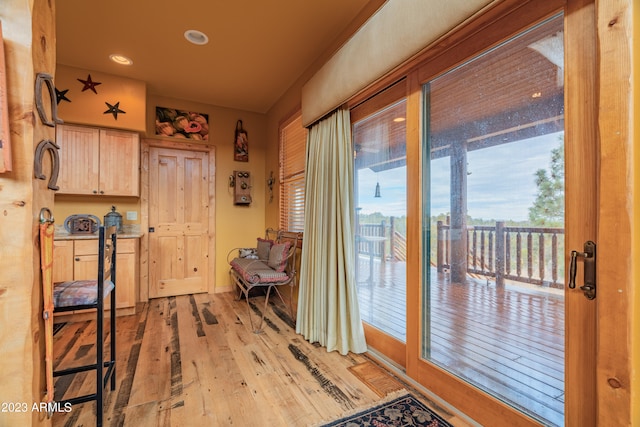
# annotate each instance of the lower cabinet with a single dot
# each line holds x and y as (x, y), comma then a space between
(78, 260)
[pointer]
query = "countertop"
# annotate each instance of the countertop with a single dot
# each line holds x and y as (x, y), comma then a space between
(129, 231)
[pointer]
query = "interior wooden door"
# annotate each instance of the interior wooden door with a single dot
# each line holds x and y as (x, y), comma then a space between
(178, 222)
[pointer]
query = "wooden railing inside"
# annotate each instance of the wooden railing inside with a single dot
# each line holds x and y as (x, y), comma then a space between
(522, 254)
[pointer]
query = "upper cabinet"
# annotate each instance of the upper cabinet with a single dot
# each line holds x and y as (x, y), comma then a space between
(98, 161)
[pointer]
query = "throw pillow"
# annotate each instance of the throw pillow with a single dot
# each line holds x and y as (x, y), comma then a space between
(278, 256)
(263, 248)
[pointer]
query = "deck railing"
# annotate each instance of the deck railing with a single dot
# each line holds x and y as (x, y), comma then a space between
(372, 230)
(393, 248)
(522, 254)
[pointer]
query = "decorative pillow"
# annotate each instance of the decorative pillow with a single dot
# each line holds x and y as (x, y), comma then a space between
(278, 256)
(263, 247)
(251, 253)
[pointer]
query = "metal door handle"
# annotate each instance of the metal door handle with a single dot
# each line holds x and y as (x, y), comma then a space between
(589, 256)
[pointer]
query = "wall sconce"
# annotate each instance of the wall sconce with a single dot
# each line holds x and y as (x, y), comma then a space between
(270, 181)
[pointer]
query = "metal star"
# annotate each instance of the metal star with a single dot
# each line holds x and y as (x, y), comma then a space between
(114, 109)
(61, 95)
(89, 84)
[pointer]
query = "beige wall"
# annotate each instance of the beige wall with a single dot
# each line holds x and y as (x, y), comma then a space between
(87, 107)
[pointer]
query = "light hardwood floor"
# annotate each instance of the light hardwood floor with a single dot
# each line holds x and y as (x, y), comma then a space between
(193, 361)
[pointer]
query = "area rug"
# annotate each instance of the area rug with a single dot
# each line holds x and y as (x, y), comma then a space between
(404, 410)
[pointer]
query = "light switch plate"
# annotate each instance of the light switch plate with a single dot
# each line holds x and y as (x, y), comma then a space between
(132, 215)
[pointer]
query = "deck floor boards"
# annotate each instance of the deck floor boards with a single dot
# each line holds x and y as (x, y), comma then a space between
(507, 340)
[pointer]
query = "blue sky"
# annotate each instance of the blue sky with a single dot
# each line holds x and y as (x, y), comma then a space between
(501, 184)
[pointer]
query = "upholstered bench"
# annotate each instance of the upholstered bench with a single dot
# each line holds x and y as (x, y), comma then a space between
(271, 264)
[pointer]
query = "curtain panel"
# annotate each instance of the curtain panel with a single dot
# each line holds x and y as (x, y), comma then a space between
(328, 310)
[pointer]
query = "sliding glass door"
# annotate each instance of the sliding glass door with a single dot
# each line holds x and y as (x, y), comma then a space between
(379, 138)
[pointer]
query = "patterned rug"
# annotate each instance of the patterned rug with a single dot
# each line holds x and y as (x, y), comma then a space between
(404, 410)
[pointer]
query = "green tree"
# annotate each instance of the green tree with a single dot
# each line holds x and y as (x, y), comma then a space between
(548, 207)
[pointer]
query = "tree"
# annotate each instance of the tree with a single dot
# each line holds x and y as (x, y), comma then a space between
(548, 207)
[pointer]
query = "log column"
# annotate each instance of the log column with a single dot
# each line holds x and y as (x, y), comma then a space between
(28, 28)
(458, 230)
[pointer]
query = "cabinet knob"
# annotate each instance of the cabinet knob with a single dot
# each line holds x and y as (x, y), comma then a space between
(101, 191)
(77, 259)
(95, 191)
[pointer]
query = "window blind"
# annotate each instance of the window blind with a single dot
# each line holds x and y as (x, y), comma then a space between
(293, 142)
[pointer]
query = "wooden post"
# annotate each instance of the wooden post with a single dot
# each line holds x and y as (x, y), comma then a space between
(500, 253)
(383, 245)
(29, 42)
(392, 237)
(458, 229)
(440, 245)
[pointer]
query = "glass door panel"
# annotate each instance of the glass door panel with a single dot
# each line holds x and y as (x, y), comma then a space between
(494, 230)
(380, 193)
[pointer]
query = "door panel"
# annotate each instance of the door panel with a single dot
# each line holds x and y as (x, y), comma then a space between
(432, 356)
(179, 216)
(380, 188)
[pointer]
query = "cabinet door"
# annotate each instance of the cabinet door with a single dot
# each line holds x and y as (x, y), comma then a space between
(119, 163)
(125, 280)
(62, 260)
(85, 267)
(79, 165)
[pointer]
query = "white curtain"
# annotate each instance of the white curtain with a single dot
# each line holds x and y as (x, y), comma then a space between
(328, 310)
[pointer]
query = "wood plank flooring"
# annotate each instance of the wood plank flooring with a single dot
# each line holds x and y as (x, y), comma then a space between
(192, 360)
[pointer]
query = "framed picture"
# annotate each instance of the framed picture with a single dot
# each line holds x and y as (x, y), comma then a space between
(182, 124)
(5, 143)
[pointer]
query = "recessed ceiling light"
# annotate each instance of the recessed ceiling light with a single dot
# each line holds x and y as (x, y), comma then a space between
(399, 119)
(120, 59)
(196, 37)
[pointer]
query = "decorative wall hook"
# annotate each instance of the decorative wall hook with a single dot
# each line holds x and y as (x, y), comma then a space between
(52, 148)
(48, 80)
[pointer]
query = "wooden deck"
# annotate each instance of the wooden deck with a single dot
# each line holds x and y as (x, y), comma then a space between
(508, 341)
(192, 360)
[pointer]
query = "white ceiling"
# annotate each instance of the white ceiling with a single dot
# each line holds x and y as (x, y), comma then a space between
(257, 49)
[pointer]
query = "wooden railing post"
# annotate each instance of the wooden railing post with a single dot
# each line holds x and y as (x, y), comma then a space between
(392, 238)
(383, 246)
(500, 253)
(440, 248)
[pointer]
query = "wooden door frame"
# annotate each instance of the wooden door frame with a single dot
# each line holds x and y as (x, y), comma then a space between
(145, 146)
(618, 299)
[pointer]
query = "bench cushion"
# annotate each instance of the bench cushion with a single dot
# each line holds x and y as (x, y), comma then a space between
(255, 271)
(78, 292)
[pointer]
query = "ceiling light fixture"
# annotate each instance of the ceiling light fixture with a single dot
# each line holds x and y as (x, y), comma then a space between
(196, 37)
(399, 119)
(120, 59)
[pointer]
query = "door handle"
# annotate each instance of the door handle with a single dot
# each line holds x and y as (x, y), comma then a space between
(589, 256)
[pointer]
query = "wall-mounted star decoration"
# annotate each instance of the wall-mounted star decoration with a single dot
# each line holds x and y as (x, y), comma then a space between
(61, 95)
(89, 84)
(114, 109)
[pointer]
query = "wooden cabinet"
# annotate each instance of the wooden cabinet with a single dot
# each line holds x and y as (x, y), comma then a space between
(98, 161)
(78, 259)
